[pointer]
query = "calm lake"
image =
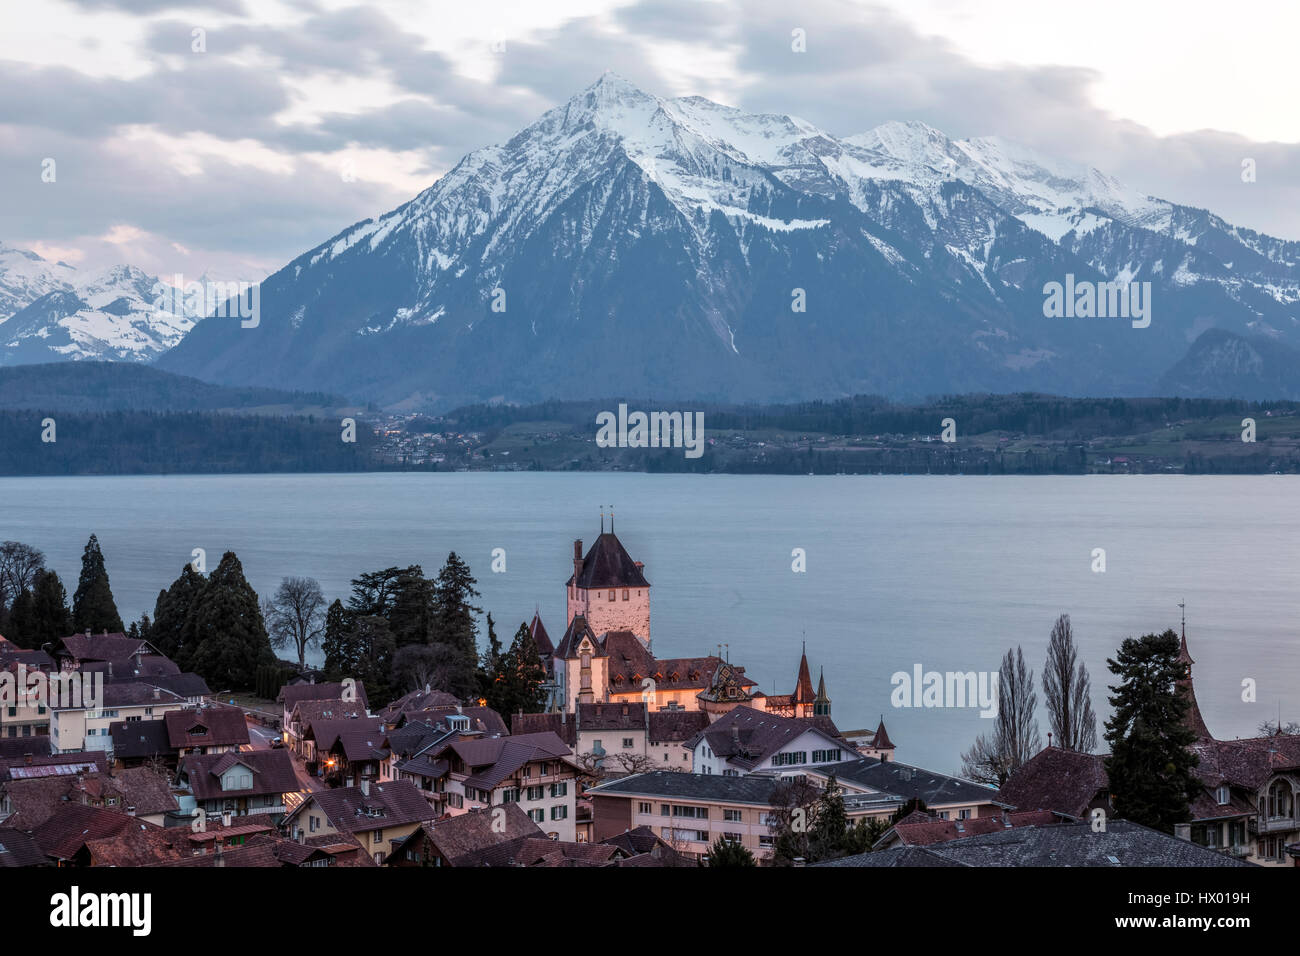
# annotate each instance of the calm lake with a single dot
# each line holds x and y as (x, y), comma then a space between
(945, 572)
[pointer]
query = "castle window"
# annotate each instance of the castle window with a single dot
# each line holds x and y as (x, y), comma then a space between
(611, 595)
(625, 594)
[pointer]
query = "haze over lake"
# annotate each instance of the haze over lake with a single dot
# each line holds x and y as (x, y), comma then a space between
(945, 572)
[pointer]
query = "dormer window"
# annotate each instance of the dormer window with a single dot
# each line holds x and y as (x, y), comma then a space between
(1223, 795)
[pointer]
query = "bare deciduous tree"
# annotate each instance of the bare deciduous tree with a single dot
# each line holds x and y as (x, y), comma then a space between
(18, 566)
(295, 615)
(1067, 691)
(1015, 736)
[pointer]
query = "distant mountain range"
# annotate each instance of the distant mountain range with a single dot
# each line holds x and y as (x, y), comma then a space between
(627, 244)
(53, 312)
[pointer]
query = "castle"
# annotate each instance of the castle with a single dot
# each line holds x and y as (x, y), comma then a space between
(606, 656)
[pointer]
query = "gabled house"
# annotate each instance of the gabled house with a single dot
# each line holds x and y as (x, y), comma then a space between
(379, 816)
(206, 730)
(239, 783)
(348, 750)
(292, 694)
(746, 740)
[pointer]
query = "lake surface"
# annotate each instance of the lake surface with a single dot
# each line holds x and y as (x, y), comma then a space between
(945, 572)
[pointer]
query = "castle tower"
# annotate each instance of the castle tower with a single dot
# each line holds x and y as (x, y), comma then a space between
(608, 588)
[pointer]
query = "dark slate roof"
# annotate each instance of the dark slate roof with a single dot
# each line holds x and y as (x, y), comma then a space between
(750, 790)
(496, 758)
(102, 647)
(907, 782)
(140, 739)
(639, 840)
(11, 655)
(136, 693)
(461, 840)
(15, 748)
(150, 665)
(417, 700)
(391, 804)
(20, 849)
(906, 856)
(272, 772)
(291, 694)
(309, 711)
(206, 727)
(1067, 844)
(562, 725)
(608, 565)
(629, 716)
(676, 726)
(747, 737)
(910, 832)
(484, 720)
(1054, 779)
(182, 685)
(326, 733)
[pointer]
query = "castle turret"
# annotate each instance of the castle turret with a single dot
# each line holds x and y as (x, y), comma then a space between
(822, 702)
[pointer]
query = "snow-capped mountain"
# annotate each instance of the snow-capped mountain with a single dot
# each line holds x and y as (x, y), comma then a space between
(25, 277)
(628, 244)
(117, 314)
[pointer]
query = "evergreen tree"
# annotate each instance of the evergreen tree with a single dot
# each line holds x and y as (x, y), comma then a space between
(339, 644)
(93, 608)
(410, 617)
(729, 853)
(1151, 770)
(50, 619)
(518, 687)
(454, 623)
(21, 627)
(171, 613)
(229, 636)
(489, 671)
(830, 824)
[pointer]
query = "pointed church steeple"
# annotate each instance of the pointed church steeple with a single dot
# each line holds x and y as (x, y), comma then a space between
(1193, 719)
(803, 688)
(821, 703)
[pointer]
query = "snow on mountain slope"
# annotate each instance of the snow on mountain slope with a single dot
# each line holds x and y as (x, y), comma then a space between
(624, 224)
(119, 314)
(25, 277)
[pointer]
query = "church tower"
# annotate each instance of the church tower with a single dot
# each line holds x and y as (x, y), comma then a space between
(821, 703)
(608, 589)
(1193, 719)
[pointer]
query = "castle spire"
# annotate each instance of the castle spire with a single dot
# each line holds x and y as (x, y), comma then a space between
(822, 702)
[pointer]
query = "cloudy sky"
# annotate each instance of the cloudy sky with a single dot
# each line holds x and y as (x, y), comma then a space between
(300, 117)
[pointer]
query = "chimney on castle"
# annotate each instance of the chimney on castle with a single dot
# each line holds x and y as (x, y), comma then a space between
(577, 560)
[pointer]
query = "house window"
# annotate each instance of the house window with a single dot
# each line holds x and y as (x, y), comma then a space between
(611, 595)
(963, 814)
(537, 816)
(731, 837)
(625, 594)
(627, 743)
(766, 841)
(536, 793)
(510, 795)
(644, 808)
(666, 810)
(1223, 794)
(732, 816)
(559, 789)
(560, 813)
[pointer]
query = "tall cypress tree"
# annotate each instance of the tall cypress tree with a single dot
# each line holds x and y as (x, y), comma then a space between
(172, 611)
(229, 636)
(340, 644)
(1151, 769)
(454, 621)
(93, 607)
